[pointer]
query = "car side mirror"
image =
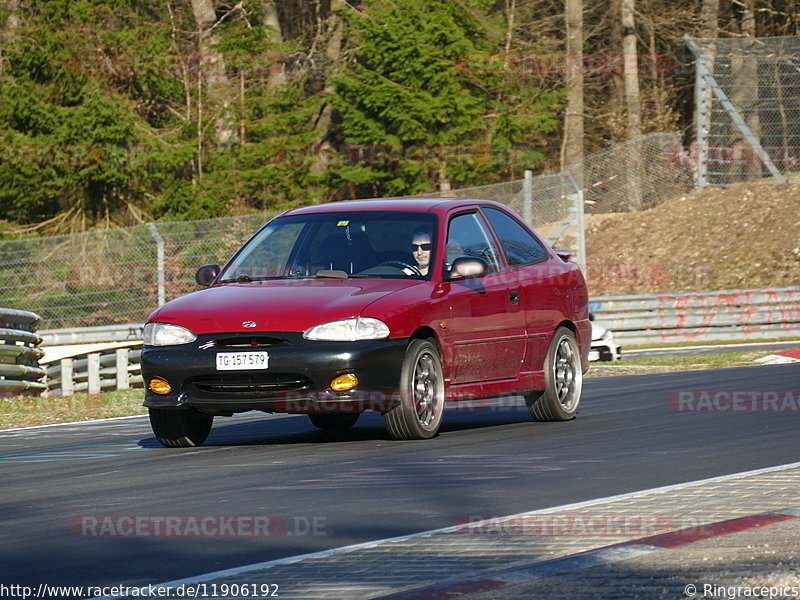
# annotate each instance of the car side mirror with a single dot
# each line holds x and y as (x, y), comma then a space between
(564, 255)
(206, 275)
(468, 267)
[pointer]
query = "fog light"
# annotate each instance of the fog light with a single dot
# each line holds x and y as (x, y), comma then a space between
(344, 383)
(160, 386)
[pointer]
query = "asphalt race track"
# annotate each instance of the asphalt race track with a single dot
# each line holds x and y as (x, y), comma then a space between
(327, 490)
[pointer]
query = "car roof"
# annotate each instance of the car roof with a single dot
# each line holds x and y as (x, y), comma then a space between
(399, 204)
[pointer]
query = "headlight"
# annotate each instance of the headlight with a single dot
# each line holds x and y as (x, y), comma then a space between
(348, 330)
(165, 334)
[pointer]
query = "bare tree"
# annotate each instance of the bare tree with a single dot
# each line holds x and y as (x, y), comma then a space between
(630, 62)
(572, 147)
(333, 53)
(631, 70)
(277, 75)
(8, 29)
(211, 73)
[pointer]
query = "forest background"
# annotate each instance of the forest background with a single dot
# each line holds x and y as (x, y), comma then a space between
(118, 112)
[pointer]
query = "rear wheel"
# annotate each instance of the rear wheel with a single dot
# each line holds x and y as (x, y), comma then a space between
(563, 378)
(181, 428)
(419, 414)
(334, 421)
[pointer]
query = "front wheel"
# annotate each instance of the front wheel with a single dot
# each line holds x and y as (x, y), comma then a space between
(563, 378)
(419, 414)
(181, 428)
(335, 421)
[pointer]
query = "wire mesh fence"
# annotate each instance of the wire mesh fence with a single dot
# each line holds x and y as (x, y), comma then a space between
(112, 276)
(748, 109)
(635, 175)
(118, 276)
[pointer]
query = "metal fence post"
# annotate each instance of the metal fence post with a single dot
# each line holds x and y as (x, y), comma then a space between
(580, 233)
(162, 292)
(701, 113)
(527, 197)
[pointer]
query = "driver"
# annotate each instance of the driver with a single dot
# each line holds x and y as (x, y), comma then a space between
(421, 248)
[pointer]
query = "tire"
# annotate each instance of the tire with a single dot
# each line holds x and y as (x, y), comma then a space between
(419, 414)
(563, 376)
(184, 428)
(336, 421)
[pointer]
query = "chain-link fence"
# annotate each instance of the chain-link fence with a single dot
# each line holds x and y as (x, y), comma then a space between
(635, 175)
(118, 276)
(553, 204)
(114, 275)
(747, 107)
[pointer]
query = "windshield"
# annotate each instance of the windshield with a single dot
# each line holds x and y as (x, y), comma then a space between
(389, 244)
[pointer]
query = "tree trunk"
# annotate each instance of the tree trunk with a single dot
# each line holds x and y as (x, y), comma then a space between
(8, 29)
(631, 70)
(277, 72)
(630, 61)
(709, 17)
(572, 148)
(749, 80)
(333, 53)
(220, 93)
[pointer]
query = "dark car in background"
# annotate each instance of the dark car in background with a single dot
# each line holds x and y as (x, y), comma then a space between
(328, 311)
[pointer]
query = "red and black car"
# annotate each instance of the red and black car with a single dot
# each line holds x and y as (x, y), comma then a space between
(397, 306)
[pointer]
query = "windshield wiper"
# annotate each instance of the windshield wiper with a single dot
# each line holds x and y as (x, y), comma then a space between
(331, 274)
(237, 279)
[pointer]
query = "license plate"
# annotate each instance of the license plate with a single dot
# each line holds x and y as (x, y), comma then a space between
(241, 361)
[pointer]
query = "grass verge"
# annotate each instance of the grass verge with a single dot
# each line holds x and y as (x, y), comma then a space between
(668, 364)
(26, 411)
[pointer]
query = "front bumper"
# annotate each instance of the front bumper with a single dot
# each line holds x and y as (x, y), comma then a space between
(297, 380)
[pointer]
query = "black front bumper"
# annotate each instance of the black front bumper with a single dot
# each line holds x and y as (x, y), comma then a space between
(297, 380)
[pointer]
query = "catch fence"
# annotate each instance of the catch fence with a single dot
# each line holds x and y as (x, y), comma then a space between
(118, 276)
(747, 105)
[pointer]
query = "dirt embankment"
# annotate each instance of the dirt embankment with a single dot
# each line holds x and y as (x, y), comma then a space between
(745, 236)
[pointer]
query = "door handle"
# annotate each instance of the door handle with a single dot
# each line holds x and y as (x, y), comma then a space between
(514, 297)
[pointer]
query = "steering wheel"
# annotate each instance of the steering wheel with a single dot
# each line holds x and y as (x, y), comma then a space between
(403, 266)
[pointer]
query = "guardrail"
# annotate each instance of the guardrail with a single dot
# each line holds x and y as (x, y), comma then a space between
(95, 372)
(20, 372)
(89, 335)
(634, 320)
(701, 316)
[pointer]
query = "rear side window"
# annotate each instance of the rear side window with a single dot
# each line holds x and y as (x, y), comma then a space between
(520, 247)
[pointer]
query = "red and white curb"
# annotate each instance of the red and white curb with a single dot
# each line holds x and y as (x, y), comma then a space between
(780, 358)
(591, 558)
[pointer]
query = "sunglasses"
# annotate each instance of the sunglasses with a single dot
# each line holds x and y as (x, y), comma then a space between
(424, 247)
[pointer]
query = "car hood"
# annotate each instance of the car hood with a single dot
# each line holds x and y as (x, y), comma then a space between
(276, 305)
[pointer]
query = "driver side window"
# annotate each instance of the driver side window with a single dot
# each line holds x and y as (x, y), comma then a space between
(468, 236)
